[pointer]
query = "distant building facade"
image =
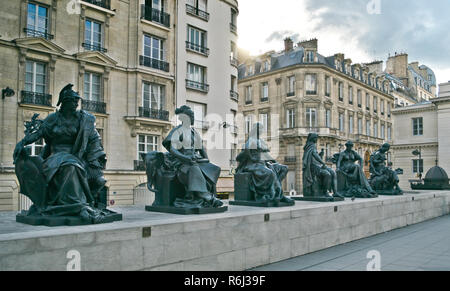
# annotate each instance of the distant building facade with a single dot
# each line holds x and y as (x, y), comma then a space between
(444, 89)
(298, 91)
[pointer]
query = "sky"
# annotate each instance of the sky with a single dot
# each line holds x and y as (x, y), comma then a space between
(364, 30)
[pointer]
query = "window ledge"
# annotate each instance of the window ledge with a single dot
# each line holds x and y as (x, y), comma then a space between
(155, 24)
(93, 6)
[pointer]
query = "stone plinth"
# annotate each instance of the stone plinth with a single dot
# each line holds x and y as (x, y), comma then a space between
(240, 239)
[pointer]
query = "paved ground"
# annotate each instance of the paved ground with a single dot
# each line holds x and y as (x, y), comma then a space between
(421, 247)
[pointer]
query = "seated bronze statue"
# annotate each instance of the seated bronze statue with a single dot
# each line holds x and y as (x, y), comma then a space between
(383, 179)
(183, 178)
(319, 181)
(352, 181)
(67, 179)
(258, 177)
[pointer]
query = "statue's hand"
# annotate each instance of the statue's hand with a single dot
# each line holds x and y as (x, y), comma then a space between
(17, 151)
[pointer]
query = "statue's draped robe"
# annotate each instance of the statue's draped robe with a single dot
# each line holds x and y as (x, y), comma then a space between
(66, 171)
(348, 165)
(311, 167)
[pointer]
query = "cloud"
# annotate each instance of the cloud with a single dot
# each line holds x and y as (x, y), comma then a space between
(278, 36)
(418, 27)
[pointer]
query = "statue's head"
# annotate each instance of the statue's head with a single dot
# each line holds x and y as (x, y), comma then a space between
(312, 138)
(68, 97)
(349, 145)
(185, 114)
(385, 148)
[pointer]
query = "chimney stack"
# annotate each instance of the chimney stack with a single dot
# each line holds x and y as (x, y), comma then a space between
(288, 44)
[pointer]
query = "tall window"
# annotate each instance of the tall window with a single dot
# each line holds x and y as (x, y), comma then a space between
(153, 47)
(341, 122)
(153, 96)
(291, 86)
(360, 126)
(196, 73)
(328, 118)
(146, 143)
(367, 101)
(309, 56)
(199, 114)
(382, 131)
(248, 94)
(311, 84)
(35, 77)
(368, 127)
(418, 126)
(389, 133)
(341, 91)
(290, 118)
(248, 123)
(92, 87)
(417, 166)
(196, 39)
(264, 120)
(359, 98)
(327, 86)
(265, 91)
(389, 109)
(93, 35)
(311, 117)
(350, 124)
(382, 107)
(37, 20)
(350, 95)
(375, 104)
(375, 129)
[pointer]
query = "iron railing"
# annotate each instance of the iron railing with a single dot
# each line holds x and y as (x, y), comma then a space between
(36, 98)
(37, 33)
(234, 62)
(233, 28)
(93, 47)
(197, 48)
(154, 113)
(154, 63)
(139, 166)
(311, 92)
(197, 12)
(234, 95)
(101, 3)
(290, 94)
(264, 99)
(197, 86)
(155, 15)
(93, 106)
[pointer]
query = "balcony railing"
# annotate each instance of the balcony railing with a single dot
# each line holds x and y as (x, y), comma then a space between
(197, 86)
(290, 159)
(197, 48)
(154, 63)
(93, 106)
(139, 166)
(234, 95)
(311, 92)
(290, 94)
(155, 15)
(36, 98)
(197, 12)
(264, 99)
(93, 47)
(233, 28)
(248, 102)
(234, 62)
(101, 3)
(154, 113)
(37, 33)
(201, 124)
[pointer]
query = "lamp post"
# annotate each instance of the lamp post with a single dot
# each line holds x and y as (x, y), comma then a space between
(418, 153)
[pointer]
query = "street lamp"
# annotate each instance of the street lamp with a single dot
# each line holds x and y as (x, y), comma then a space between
(418, 152)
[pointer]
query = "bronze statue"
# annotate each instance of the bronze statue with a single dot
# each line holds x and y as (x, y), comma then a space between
(319, 181)
(351, 179)
(65, 182)
(383, 179)
(184, 179)
(258, 177)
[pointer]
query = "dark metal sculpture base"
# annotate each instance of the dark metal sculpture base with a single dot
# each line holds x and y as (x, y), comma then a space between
(185, 211)
(62, 220)
(319, 199)
(261, 204)
(389, 193)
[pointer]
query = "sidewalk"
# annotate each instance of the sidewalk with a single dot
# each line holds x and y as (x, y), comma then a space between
(420, 247)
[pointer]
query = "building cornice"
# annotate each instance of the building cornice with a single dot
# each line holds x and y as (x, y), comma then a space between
(233, 3)
(413, 146)
(413, 109)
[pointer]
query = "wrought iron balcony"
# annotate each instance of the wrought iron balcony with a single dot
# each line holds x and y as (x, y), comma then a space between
(311, 92)
(101, 3)
(248, 102)
(93, 106)
(155, 15)
(36, 98)
(290, 94)
(233, 28)
(197, 12)
(197, 86)
(264, 99)
(93, 47)
(234, 62)
(201, 124)
(290, 159)
(37, 33)
(197, 48)
(154, 113)
(234, 95)
(139, 166)
(154, 63)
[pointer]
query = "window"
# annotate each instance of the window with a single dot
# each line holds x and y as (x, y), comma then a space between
(196, 73)
(417, 166)
(350, 95)
(341, 122)
(290, 118)
(382, 107)
(199, 114)
(311, 117)
(35, 77)
(36, 148)
(146, 143)
(368, 127)
(249, 70)
(290, 180)
(328, 118)
(200, 4)
(310, 84)
(248, 123)
(266, 66)
(291, 86)
(359, 98)
(196, 40)
(309, 57)
(375, 104)
(264, 91)
(92, 87)
(389, 133)
(248, 95)
(264, 120)
(153, 47)
(360, 126)
(37, 21)
(382, 131)
(350, 124)
(418, 126)
(341, 91)
(389, 109)
(367, 101)
(327, 86)
(375, 129)
(233, 23)
(153, 96)
(93, 39)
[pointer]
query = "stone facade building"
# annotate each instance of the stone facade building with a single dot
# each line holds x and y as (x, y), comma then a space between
(298, 91)
(444, 89)
(121, 55)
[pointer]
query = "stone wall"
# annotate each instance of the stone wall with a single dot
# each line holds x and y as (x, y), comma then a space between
(240, 239)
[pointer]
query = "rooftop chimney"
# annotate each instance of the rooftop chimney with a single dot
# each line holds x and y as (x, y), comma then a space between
(288, 44)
